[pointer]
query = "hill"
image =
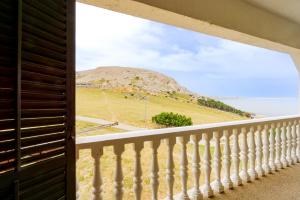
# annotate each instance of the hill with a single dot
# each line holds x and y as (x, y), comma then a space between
(129, 79)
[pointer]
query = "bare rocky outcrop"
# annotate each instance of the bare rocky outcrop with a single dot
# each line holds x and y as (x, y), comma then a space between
(130, 79)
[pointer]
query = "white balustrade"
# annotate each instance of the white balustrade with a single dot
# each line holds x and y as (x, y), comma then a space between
(289, 144)
(298, 143)
(207, 190)
(155, 169)
(184, 168)
(118, 150)
(265, 136)
(278, 147)
(137, 180)
(293, 151)
(283, 146)
(252, 172)
(170, 167)
(197, 195)
(272, 149)
(227, 182)
(97, 182)
(260, 171)
(244, 155)
(262, 145)
(218, 186)
(235, 159)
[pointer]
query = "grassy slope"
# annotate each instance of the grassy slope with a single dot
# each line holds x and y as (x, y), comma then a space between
(112, 106)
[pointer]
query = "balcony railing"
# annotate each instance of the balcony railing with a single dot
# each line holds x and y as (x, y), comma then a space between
(242, 152)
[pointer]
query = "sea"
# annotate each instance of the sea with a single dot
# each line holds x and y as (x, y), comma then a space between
(265, 107)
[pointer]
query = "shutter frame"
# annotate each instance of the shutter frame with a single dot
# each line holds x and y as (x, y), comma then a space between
(37, 97)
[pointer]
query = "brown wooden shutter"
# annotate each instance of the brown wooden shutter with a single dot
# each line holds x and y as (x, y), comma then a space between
(8, 97)
(37, 99)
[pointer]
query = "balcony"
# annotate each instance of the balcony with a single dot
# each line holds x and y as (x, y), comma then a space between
(194, 162)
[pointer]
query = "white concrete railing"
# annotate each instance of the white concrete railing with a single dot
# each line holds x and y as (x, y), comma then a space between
(260, 146)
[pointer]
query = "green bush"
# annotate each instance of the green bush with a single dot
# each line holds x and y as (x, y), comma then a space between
(208, 102)
(170, 119)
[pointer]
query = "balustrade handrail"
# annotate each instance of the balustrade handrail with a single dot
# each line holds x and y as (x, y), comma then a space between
(147, 135)
(254, 148)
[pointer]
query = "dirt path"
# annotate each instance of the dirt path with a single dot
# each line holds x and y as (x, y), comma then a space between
(103, 122)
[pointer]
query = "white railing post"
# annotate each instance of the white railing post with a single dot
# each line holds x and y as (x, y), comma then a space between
(207, 190)
(97, 152)
(226, 161)
(294, 138)
(77, 178)
(170, 167)
(253, 174)
(272, 149)
(197, 195)
(265, 134)
(218, 186)
(137, 180)
(283, 145)
(155, 169)
(235, 158)
(260, 171)
(298, 142)
(184, 167)
(289, 144)
(244, 156)
(118, 151)
(278, 147)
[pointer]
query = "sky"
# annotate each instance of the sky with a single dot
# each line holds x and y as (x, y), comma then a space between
(204, 64)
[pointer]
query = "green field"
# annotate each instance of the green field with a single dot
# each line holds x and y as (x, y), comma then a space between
(114, 106)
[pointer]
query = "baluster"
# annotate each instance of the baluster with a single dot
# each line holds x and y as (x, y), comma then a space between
(298, 142)
(278, 147)
(218, 186)
(244, 156)
(97, 179)
(197, 195)
(118, 150)
(207, 191)
(77, 178)
(266, 147)
(253, 174)
(289, 145)
(283, 145)
(137, 180)
(226, 161)
(155, 169)
(272, 149)
(260, 171)
(170, 167)
(294, 157)
(236, 160)
(184, 168)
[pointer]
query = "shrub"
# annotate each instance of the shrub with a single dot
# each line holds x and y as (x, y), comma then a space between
(208, 102)
(170, 119)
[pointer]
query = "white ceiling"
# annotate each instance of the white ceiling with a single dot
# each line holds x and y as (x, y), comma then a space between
(286, 8)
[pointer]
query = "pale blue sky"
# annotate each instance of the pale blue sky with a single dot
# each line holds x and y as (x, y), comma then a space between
(204, 64)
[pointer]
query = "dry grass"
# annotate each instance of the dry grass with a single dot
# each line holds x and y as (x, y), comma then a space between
(111, 105)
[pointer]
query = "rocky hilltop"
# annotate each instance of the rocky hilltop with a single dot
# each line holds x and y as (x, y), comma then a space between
(129, 79)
